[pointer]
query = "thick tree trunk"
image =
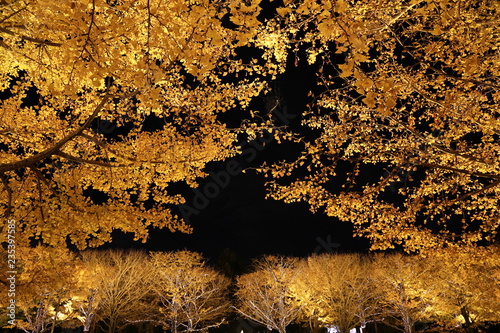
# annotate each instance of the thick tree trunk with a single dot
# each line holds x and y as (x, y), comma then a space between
(465, 315)
(409, 325)
(409, 328)
(150, 328)
(87, 324)
(469, 324)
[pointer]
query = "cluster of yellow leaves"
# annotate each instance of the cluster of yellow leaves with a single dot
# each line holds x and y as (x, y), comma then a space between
(136, 43)
(44, 280)
(94, 61)
(418, 97)
(415, 87)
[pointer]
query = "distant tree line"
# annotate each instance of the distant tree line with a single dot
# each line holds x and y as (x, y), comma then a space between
(452, 290)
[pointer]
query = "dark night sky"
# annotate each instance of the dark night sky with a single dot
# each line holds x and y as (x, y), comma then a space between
(240, 219)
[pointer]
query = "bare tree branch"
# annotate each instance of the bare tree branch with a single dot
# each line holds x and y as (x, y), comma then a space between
(31, 39)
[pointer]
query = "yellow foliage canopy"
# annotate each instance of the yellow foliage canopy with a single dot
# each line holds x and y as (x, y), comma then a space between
(114, 62)
(411, 112)
(407, 94)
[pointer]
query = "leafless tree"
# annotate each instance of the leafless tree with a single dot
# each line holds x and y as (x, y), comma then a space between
(192, 296)
(264, 295)
(121, 283)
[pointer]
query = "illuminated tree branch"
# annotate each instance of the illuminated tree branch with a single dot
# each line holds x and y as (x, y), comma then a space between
(55, 148)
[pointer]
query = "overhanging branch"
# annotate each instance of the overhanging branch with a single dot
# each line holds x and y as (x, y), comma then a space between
(467, 172)
(31, 39)
(84, 161)
(57, 147)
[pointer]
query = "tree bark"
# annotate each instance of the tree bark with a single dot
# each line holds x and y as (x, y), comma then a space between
(465, 315)
(469, 324)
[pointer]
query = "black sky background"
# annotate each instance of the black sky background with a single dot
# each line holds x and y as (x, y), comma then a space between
(242, 220)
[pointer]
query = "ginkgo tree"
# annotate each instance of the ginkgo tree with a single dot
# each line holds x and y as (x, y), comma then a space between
(335, 291)
(66, 65)
(116, 289)
(44, 282)
(406, 118)
(468, 286)
(408, 287)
